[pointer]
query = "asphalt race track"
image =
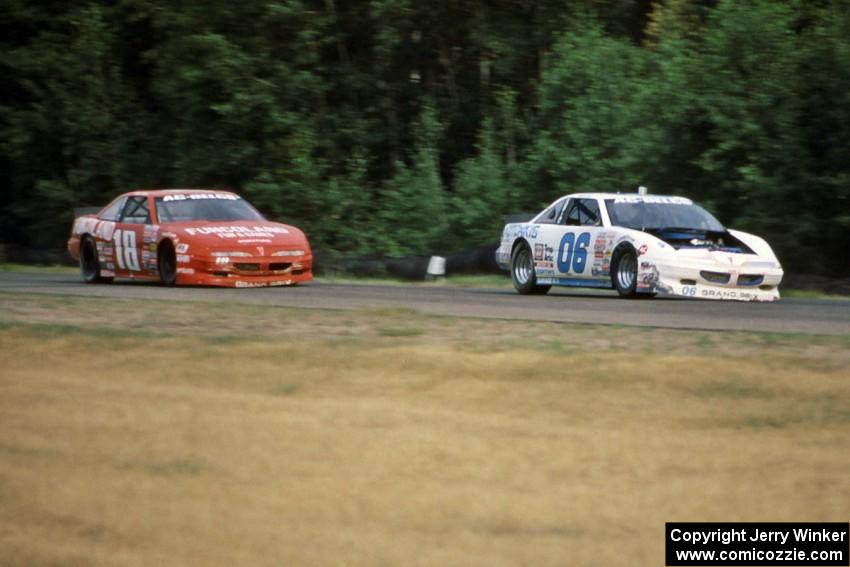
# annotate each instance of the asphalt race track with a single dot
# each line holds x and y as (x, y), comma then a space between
(810, 316)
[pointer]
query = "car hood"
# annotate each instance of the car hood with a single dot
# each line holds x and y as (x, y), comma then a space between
(237, 234)
(723, 260)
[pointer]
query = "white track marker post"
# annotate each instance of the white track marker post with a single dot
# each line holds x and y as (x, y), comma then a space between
(436, 269)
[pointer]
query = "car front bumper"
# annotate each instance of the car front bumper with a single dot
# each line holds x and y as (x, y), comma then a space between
(244, 272)
(710, 282)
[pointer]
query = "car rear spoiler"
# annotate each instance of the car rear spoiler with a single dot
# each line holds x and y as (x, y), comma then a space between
(80, 211)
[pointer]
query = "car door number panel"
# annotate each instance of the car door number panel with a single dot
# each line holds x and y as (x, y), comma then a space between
(572, 252)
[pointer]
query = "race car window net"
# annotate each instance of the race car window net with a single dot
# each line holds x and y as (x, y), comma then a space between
(206, 210)
(136, 211)
(640, 215)
(583, 212)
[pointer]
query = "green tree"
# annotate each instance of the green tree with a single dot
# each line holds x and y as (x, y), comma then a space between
(412, 211)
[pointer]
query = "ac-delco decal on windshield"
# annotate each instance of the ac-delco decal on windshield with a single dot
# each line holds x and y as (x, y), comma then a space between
(199, 196)
(653, 199)
(237, 231)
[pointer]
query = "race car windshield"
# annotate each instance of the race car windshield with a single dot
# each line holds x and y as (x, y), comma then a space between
(641, 215)
(177, 208)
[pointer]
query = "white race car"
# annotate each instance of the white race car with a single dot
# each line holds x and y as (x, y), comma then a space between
(639, 245)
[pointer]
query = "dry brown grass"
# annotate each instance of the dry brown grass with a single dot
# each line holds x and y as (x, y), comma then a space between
(441, 442)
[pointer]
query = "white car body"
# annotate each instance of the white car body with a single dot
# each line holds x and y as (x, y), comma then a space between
(730, 265)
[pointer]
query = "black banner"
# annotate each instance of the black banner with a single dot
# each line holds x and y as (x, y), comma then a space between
(757, 544)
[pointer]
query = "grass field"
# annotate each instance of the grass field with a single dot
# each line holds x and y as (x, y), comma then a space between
(214, 434)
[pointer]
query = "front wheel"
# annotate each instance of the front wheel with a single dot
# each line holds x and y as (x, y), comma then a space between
(624, 272)
(167, 262)
(89, 262)
(522, 272)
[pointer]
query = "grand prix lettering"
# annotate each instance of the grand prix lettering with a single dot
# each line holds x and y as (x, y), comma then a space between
(125, 250)
(573, 252)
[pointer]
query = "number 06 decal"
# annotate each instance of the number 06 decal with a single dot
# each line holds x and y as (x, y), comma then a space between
(573, 252)
(125, 250)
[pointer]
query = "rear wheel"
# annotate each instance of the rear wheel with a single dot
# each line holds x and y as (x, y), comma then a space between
(522, 272)
(89, 262)
(624, 271)
(167, 262)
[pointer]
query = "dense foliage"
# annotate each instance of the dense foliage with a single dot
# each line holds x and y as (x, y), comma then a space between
(398, 126)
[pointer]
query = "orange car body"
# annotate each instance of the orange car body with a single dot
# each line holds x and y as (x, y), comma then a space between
(238, 250)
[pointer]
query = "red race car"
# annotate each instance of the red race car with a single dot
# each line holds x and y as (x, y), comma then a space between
(195, 237)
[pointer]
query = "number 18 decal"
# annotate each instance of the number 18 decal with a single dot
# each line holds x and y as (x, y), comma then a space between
(125, 250)
(573, 252)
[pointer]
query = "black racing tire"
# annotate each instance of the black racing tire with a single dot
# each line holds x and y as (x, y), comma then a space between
(522, 272)
(89, 262)
(624, 271)
(167, 263)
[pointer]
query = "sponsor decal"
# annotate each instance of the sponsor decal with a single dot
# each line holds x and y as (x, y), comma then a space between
(110, 273)
(200, 196)
(105, 230)
(654, 199)
(187, 271)
(150, 233)
(544, 256)
(642, 250)
(263, 284)
(573, 282)
(182, 248)
(602, 249)
(83, 224)
(647, 275)
(149, 261)
(520, 231)
(183, 258)
(229, 231)
(254, 241)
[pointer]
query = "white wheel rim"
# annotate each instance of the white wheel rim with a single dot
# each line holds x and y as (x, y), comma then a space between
(627, 271)
(523, 266)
